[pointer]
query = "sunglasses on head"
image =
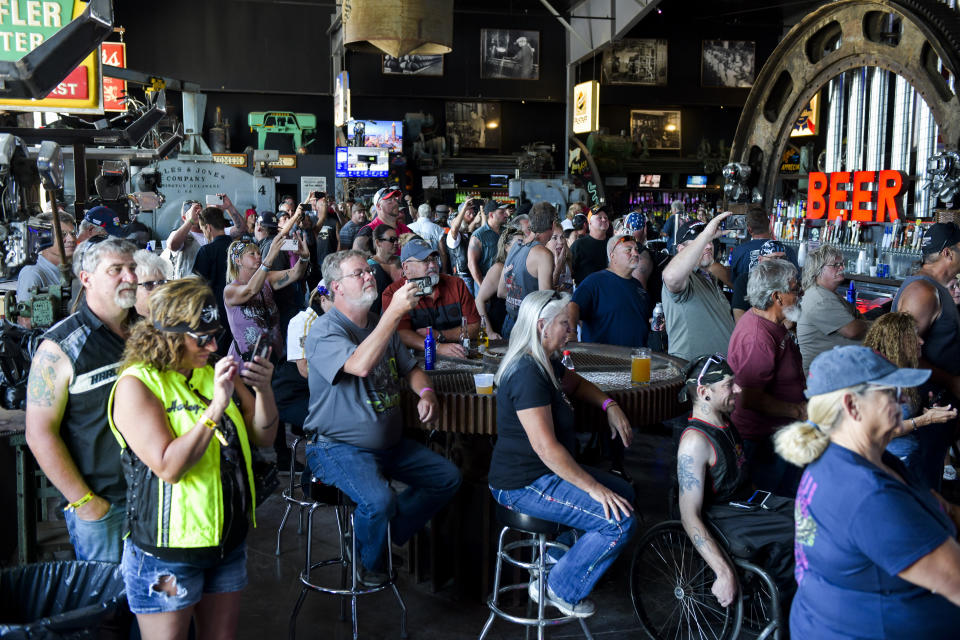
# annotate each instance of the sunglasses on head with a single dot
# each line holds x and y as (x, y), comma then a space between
(714, 359)
(556, 296)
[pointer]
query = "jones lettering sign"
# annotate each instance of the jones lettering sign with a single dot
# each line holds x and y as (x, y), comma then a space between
(867, 196)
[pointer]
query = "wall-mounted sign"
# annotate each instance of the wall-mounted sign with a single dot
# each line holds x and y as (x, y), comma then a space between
(868, 196)
(341, 99)
(24, 26)
(808, 122)
(285, 162)
(311, 183)
(232, 159)
(114, 54)
(586, 107)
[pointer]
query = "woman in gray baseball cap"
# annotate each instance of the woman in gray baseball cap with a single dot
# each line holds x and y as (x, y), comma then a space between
(876, 551)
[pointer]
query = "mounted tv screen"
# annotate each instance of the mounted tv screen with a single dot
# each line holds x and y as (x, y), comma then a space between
(386, 134)
(649, 180)
(362, 162)
(696, 182)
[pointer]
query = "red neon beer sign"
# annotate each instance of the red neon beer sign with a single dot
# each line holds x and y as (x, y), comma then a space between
(867, 196)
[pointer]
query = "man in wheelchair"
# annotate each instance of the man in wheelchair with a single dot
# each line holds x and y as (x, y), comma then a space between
(714, 488)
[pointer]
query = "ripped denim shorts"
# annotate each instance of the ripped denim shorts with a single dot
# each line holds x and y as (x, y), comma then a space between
(158, 586)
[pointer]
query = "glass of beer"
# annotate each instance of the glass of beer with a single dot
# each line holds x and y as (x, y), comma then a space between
(640, 366)
(484, 383)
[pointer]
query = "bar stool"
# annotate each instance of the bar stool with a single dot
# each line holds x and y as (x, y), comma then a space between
(293, 495)
(324, 495)
(538, 530)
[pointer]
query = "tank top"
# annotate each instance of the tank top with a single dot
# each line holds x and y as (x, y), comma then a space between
(728, 475)
(458, 255)
(488, 244)
(258, 316)
(518, 280)
(940, 344)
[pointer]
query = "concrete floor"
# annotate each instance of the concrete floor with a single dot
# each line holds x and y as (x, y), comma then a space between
(274, 586)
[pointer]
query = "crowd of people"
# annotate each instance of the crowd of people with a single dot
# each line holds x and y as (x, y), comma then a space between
(145, 406)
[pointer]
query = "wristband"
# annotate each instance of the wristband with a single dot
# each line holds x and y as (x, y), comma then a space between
(302, 259)
(73, 506)
(914, 421)
(607, 403)
(210, 424)
(424, 390)
(264, 268)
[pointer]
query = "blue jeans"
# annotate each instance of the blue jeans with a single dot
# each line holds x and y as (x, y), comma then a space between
(97, 540)
(142, 572)
(362, 474)
(551, 498)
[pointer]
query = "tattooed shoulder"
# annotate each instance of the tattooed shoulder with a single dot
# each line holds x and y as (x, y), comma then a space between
(41, 384)
(685, 476)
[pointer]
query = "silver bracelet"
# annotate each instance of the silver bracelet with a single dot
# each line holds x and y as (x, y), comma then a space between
(264, 268)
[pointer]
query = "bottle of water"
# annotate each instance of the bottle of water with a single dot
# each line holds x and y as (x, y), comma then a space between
(567, 360)
(429, 350)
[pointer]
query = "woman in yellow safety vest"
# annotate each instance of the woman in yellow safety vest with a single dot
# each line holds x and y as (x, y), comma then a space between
(185, 428)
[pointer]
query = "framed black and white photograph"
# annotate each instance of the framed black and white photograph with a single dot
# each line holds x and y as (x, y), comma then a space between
(473, 125)
(728, 63)
(655, 129)
(511, 54)
(413, 65)
(636, 61)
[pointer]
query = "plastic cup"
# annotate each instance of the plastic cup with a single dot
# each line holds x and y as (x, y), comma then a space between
(484, 383)
(640, 366)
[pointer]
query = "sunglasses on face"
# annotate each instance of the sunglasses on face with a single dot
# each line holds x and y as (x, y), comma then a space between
(390, 240)
(203, 339)
(150, 285)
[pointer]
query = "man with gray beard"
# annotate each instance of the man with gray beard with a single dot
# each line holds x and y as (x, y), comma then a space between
(697, 313)
(767, 366)
(71, 376)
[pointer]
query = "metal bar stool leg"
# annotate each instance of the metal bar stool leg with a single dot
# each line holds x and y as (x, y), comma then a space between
(356, 578)
(393, 584)
(542, 584)
(342, 530)
(283, 521)
(496, 584)
(307, 563)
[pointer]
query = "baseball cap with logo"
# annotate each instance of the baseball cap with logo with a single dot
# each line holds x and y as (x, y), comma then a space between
(106, 219)
(940, 236)
(268, 219)
(416, 249)
(690, 231)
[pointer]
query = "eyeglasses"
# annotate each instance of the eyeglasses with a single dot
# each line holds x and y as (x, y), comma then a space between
(890, 391)
(150, 285)
(835, 265)
(390, 240)
(359, 274)
(203, 339)
(714, 359)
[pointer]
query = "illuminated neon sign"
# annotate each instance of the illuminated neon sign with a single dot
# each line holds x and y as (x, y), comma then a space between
(868, 196)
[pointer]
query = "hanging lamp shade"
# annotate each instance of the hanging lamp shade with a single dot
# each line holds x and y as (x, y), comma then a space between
(398, 27)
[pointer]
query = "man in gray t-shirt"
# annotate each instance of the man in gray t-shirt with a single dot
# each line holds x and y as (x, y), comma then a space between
(356, 366)
(697, 313)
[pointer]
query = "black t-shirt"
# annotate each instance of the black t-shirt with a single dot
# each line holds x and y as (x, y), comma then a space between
(327, 239)
(588, 256)
(515, 464)
(739, 300)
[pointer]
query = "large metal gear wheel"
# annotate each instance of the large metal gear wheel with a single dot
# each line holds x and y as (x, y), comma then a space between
(835, 38)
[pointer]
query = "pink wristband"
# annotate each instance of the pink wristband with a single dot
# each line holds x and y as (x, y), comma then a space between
(424, 390)
(607, 403)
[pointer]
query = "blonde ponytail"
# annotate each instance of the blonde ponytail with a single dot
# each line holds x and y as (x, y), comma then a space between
(801, 443)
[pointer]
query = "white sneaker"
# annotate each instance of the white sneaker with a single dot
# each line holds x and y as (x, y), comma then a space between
(949, 473)
(583, 609)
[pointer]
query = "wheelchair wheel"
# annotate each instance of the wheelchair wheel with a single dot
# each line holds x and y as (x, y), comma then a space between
(670, 588)
(761, 602)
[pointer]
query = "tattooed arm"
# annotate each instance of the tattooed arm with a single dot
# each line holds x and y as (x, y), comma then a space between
(693, 456)
(47, 392)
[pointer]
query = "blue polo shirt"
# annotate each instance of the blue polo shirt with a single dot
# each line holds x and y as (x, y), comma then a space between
(613, 310)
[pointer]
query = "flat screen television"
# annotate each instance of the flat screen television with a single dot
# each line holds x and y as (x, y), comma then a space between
(387, 134)
(696, 182)
(649, 180)
(362, 162)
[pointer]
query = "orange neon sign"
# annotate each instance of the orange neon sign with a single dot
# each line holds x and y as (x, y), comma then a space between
(867, 196)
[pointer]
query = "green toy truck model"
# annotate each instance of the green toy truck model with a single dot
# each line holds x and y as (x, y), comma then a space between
(297, 125)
